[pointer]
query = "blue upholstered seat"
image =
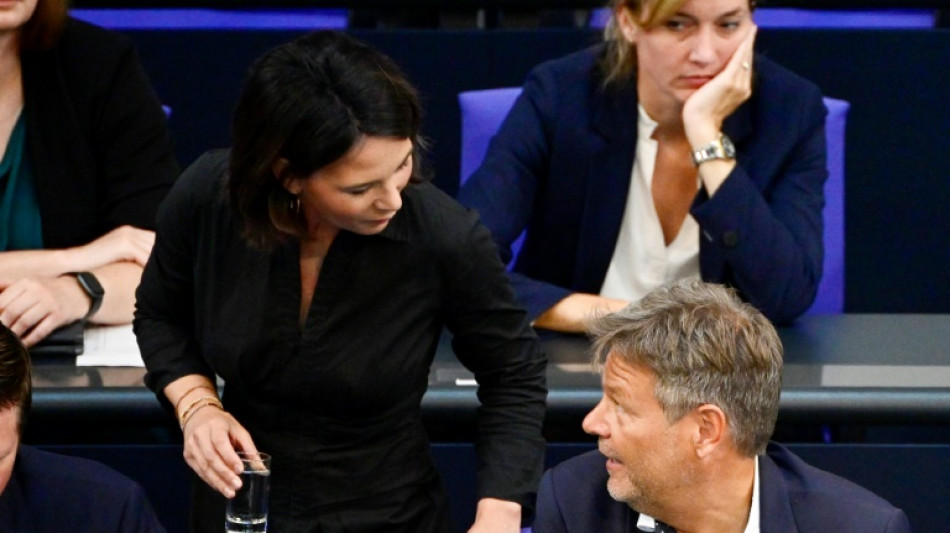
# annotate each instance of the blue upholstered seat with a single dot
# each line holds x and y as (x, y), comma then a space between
(213, 19)
(774, 17)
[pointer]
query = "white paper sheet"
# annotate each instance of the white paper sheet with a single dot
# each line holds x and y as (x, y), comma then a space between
(110, 346)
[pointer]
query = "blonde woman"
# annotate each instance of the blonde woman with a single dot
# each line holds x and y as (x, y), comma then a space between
(669, 151)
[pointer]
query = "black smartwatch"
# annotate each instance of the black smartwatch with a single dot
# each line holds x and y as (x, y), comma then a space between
(93, 289)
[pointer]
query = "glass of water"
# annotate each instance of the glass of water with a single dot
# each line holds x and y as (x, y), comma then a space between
(247, 510)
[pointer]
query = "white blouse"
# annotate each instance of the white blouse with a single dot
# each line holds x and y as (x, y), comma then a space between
(642, 261)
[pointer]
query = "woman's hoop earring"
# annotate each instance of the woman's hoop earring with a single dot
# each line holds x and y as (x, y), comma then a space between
(294, 205)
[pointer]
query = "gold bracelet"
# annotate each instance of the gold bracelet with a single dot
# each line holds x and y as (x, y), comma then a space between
(211, 402)
(192, 405)
(187, 392)
(195, 402)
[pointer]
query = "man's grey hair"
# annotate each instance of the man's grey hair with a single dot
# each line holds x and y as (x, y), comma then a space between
(705, 346)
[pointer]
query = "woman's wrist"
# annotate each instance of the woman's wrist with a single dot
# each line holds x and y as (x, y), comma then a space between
(197, 405)
(497, 515)
(699, 135)
(192, 393)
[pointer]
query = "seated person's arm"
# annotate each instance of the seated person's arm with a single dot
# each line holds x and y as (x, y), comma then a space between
(775, 257)
(503, 191)
(39, 301)
(121, 244)
(493, 515)
(571, 314)
(705, 111)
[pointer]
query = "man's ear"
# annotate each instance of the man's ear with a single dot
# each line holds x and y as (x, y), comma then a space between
(712, 427)
(625, 22)
(279, 168)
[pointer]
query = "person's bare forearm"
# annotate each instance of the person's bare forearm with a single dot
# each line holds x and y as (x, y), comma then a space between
(123, 244)
(119, 281)
(496, 516)
(571, 314)
(34, 263)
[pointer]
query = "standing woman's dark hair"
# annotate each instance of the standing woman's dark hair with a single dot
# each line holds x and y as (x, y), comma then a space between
(45, 26)
(15, 384)
(309, 102)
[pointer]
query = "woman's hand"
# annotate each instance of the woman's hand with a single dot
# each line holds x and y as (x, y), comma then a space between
(211, 434)
(33, 307)
(496, 516)
(125, 243)
(708, 107)
(211, 437)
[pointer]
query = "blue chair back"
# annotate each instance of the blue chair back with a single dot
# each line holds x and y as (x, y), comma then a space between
(830, 297)
(213, 19)
(484, 110)
(482, 114)
(774, 17)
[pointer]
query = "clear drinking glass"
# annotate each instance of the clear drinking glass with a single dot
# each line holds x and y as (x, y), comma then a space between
(247, 510)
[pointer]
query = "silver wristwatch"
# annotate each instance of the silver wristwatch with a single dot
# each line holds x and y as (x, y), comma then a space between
(721, 148)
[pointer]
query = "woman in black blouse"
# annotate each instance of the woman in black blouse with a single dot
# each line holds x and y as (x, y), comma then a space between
(313, 271)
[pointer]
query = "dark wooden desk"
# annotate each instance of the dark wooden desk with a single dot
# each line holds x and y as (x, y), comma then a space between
(841, 369)
(849, 369)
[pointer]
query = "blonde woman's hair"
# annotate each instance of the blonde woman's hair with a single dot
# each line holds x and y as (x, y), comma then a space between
(620, 62)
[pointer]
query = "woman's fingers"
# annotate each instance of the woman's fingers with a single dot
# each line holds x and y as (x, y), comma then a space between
(125, 243)
(209, 449)
(706, 109)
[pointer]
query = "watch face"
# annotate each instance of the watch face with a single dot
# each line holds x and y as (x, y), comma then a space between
(727, 147)
(721, 148)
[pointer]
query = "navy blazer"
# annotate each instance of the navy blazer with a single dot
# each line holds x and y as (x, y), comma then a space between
(50, 493)
(560, 167)
(793, 497)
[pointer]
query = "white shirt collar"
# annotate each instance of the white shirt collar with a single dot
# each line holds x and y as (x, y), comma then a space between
(648, 523)
(752, 525)
(645, 124)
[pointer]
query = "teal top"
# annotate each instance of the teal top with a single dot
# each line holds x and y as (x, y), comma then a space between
(20, 224)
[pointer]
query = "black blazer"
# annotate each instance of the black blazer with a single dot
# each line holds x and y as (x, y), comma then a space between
(793, 497)
(97, 139)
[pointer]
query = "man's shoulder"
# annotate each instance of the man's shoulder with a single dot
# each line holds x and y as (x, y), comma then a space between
(82, 479)
(821, 499)
(588, 468)
(573, 497)
(86, 494)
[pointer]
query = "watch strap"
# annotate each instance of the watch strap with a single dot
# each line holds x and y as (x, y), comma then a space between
(93, 289)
